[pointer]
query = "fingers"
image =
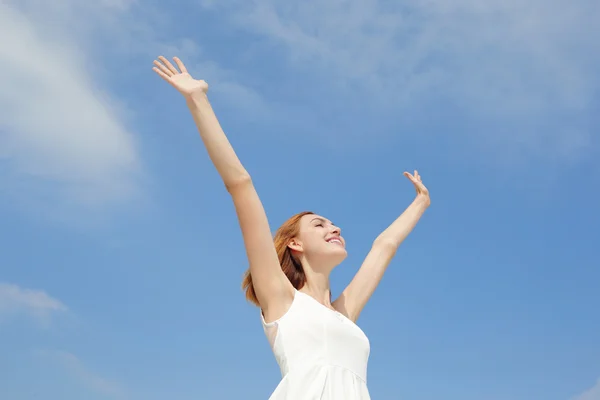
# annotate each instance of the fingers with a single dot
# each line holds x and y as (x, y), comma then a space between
(417, 176)
(179, 63)
(162, 68)
(168, 64)
(166, 70)
(162, 74)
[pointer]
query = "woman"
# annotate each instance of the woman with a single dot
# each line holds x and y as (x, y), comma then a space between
(322, 353)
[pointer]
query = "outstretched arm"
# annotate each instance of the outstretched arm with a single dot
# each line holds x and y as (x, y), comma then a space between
(354, 298)
(273, 290)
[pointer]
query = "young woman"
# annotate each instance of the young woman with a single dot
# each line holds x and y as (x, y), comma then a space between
(321, 351)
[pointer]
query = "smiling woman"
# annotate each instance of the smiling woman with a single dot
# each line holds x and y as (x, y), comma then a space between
(321, 351)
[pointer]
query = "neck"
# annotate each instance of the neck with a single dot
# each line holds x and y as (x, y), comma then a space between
(317, 285)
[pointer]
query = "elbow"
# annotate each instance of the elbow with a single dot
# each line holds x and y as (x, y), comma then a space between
(386, 244)
(244, 180)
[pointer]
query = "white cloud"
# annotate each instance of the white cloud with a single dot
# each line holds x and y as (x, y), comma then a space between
(224, 84)
(527, 51)
(62, 133)
(523, 64)
(78, 370)
(590, 394)
(56, 124)
(37, 304)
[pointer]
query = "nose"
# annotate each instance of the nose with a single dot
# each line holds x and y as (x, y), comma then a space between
(336, 230)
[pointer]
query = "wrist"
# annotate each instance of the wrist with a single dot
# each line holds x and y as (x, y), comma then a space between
(423, 200)
(198, 98)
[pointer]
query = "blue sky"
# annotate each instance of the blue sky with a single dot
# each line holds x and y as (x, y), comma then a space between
(121, 258)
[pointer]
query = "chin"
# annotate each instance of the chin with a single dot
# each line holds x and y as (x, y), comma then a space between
(329, 258)
(339, 255)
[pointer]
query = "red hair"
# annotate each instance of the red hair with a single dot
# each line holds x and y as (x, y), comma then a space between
(290, 265)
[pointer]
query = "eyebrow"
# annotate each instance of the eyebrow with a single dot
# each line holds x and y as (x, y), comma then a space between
(322, 220)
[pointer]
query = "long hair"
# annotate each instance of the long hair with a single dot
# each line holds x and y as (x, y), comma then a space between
(290, 265)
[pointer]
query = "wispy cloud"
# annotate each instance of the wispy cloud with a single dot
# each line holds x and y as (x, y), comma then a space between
(523, 64)
(537, 53)
(591, 394)
(224, 82)
(15, 300)
(57, 124)
(63, 132)
(78, 370)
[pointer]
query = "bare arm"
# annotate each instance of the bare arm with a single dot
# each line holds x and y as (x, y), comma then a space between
(356, 295)
(272, 287)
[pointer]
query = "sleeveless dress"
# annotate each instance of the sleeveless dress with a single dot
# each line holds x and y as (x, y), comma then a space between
(322, 354)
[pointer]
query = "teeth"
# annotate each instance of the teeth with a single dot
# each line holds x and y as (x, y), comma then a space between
(336, 241)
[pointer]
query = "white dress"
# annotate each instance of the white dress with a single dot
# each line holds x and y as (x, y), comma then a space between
(321, 353)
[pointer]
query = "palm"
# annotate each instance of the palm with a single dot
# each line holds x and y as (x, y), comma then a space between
(419, 186)
(186, 84)
(179, 79)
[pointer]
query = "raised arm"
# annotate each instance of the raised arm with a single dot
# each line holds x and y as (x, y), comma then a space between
(273, 290)
(356, 295)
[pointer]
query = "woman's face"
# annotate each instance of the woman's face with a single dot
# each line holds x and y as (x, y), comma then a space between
(319, 240)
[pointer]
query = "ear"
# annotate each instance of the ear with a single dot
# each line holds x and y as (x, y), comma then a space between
(295, 245)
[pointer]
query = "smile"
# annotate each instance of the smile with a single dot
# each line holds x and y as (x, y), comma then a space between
(335, 240)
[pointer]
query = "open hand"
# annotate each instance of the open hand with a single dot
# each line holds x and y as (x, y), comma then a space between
(179, 79)
(422, 191)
